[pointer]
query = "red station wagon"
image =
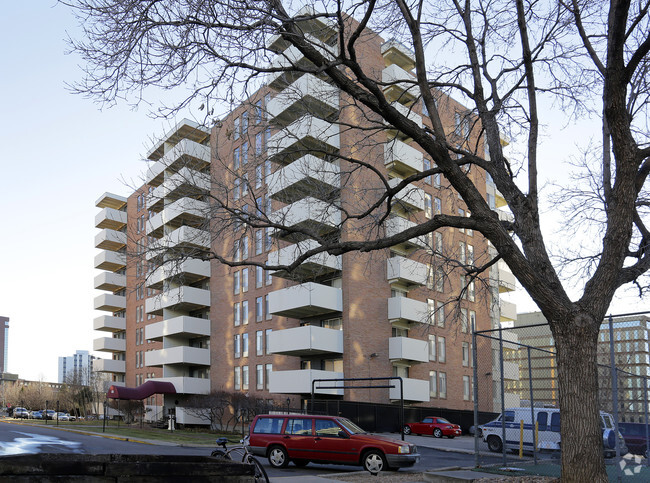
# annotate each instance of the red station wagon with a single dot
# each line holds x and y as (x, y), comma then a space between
(326, 439)
(437, 427)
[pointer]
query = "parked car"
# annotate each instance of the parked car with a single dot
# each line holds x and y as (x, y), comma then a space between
(36, 415)
(72, 417)
(21, 413)
(48, 414)
(437, 427)
(63, 416)
(326, 439)
(635, 437)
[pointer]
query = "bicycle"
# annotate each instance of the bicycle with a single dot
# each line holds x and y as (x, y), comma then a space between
(246, 457)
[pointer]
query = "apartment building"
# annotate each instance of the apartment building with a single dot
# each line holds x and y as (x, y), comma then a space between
(77, 368)
(4, 343)
(286, 155)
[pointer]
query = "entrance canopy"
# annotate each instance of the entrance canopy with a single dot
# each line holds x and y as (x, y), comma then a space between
(143, 391)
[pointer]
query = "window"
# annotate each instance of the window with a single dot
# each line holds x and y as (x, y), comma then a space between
(244, 378)
(244, 312)
(258, 309)
(267, 171)
(466, 389)
(469, 231)
(237, 378)
(268, 241)
(440, 314)
(259, 277)
(237, 346)
(269, 315)
(244, 280)
(267, 136)
(555, 422)
(259, 378)
(236, 314)
(542, 420)
(269, 278)
(437, 206)
(326, 429)
(258, 144)
(465, 354)
(258, 112)
(442, 384)
(433, 386)
(259, 343)
(461, 213)
(236, 129)
(426, 165)
(267, 337)
(258, 176)
(269, 369)
(442, 349)
(237, 251)
(244, 123)
(430, 277)
(436, 178)
(428, 207)
(470, 291)
(431, 311)
(440, 280)
(258, 242)
(438, 242)
(236, 158)
(244, 185)
(244, 153)
(432, 348)
(236, 282)
(470, 253)
(461, 252)
(244, 345)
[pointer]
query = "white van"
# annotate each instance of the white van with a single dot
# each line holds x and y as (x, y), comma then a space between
(548, 431)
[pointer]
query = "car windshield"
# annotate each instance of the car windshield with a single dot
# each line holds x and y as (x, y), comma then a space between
(350, 426)
(443, 420)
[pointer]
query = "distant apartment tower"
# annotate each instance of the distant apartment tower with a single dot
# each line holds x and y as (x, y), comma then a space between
(76, 368)
(4, 342)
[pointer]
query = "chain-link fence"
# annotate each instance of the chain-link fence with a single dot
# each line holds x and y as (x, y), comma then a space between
(519, 382)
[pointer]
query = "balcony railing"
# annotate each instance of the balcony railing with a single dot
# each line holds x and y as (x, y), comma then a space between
(110, 218)
(109, 365)
(110, 302)
(188, 271)
(307, 340)
(181, 298)
(302, 136)
(184, 211)
(507, 281)
(402, 309)
(290, 57)
(183, 326)
(185, 183)
(401, 85)
(110, 240)
(307, 95)
(414, 390)
(402, 159)
(396, 225)
(408, 349)
(183, 355)
(187, 385)
(310, 213)
(184, 153)
(395, 52)
(508, 311)
(305, 300)
(408, 199)
(109, 260)
(300, 382)
(406, 272)
(314, 265)
(109, 344)
(183, 237)
(109, 323)
(109, 200)
(307, 176)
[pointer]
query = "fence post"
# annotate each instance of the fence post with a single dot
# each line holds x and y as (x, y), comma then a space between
(475, 392)
(532, 406)
(503, 397)
(612, 359)
(645, 410)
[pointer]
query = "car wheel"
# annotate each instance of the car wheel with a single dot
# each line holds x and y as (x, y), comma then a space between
(300, 463)
(407, 430)
(278, 457)
(437, 433)
(494, 444)
(374, 462)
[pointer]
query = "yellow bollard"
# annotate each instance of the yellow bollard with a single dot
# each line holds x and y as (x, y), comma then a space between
(521, 438)
(536, 435)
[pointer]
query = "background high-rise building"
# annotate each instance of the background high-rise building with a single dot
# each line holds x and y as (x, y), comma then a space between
(4, 343)
(77, 368)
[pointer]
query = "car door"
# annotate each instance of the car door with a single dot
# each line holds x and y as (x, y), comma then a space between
(424, 427)
(330, 446)
(298, 438)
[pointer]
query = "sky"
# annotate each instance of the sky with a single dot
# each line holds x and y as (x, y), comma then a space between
(60, 153)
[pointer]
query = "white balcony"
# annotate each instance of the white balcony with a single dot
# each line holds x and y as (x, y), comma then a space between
(300, 382)
(402, 309)
(414, 390)
(109, 323)
(306, 300)
(408, 350)
(109, 365)
(185, 182)
(110, 281)
(302, 136)
(183, 326)
(185, 153)
(109, 200)
(289, 57)
(511, 401)
(183, 237)
(402, 159)
(110, 240)
(314, 265)
(307, 340)
(186, 272)
(499, 200)
(110, 302)
(395, 52)
(401, 86)
(110, 218)
(185, 355)
(408, 199)
(508, 311)
(110, 260)
(510, 341)
(510, 371)
(187, 385)
(406, 272)
(409, 114)
(308, 213)
(307, 95)
(181, 298)
(307, 176)
(184, 211)
(109, 344)
(507, 281)
(396, 225)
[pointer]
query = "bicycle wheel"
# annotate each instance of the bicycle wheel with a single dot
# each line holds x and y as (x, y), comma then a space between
(221, 454)
(260, 472)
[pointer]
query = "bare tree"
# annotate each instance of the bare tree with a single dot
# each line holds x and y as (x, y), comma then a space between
(506, 58)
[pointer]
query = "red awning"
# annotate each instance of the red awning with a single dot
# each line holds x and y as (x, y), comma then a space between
(143, 391)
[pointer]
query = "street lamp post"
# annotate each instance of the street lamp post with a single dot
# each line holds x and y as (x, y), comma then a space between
(104, 419)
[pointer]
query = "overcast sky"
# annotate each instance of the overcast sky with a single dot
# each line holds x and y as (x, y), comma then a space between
(60, 152)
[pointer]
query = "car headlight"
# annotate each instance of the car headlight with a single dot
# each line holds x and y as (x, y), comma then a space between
(404, 449)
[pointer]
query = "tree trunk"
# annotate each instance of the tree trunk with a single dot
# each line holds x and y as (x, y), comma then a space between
(581, 435)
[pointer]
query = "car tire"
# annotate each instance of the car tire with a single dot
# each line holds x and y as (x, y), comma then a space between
(437, 433)
(278, 457)
(374, 461)
(301, 463)
(407, 430)
(494, 444)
